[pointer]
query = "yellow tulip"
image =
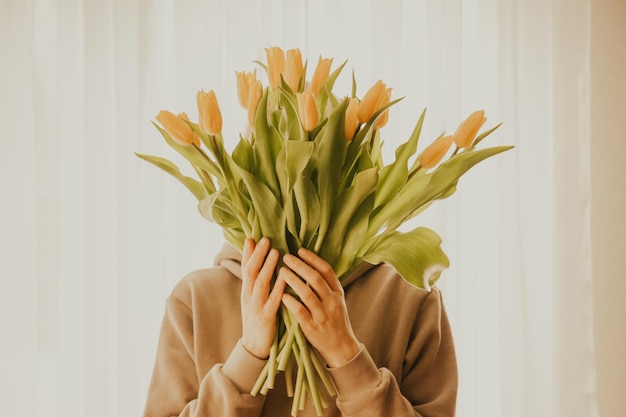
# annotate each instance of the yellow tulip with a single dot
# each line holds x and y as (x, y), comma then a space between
(244, 79)
(467, 130)
(275, 65)
(385, 98)
(369, 104)
(351, 120)
(209, 113)
(255, 92)
(434, 153)
(293, 69)
(322, 71)
(307, 109)
(177, 128)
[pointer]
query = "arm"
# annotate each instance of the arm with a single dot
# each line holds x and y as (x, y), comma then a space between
(429, 381)
(176, 389)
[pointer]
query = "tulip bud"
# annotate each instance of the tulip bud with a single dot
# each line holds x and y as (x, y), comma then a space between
(254, 96)
(244, 79)
(321, 74)
(385, 98)
(307, 109)
(351, 120)
(275, 65)
(434, 153)
(467, 130)
(369, 104)
(177, 128)
(209, 113)
(293, 69)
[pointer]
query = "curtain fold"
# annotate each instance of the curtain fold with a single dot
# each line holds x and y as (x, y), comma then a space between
(93, 239)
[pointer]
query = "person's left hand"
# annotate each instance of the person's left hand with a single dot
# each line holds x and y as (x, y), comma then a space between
(322, 314)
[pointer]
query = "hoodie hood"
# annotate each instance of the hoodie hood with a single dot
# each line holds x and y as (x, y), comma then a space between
(229, 258)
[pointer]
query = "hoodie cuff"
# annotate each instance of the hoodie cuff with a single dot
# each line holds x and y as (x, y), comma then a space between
(242, 368)
(360, 374)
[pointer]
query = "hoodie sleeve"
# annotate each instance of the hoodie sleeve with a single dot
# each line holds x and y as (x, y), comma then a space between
(428, 386)
(177, 390)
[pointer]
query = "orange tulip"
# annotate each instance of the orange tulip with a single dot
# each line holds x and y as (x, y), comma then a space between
(467, 130)
(434, 153)
(177, 128)
(255, 92)
(244, 79)
(293, 69)
(369, 104)
(385, 98)
(209, 113)
(322, 71)
(351, 120)
(307, 109)
(275, 65)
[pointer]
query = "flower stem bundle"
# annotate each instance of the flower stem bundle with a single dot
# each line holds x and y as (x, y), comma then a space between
(309, 173)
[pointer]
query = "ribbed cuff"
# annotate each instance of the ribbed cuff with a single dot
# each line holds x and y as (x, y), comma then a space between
(242, 368)
(359, 374)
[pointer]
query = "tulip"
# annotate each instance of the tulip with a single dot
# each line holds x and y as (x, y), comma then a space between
(369, 104)
(275, 65)
(467, 130)
(244, 79)
(434, 153)
(307, 109)
(177, 128)
(255, 92)
(209, 113)
(351, 120)
(321, 74)
(293, 69)
(385, 98)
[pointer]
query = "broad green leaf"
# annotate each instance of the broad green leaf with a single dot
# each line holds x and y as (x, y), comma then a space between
(416, 255)
(267, 145)
(329, 157)
(271, 214)
(297, 157)
(243, 155)
(308, 206)
(326, 91)
(347, 203)
(394, 176)
(356, 234)
(196, 187)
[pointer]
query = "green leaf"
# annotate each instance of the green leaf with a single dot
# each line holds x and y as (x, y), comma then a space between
(347, 203)
(394, 176)
(297, 156)
(271, 214)
(416, 255)
(484, 135)
(243, 155)
(308, 205)
(196, 187)
(329, 157)
(267, 145)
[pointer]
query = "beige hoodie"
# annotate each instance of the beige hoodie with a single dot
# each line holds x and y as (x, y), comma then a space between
(406, 366)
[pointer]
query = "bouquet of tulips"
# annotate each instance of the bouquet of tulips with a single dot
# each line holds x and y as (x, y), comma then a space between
(309, 173)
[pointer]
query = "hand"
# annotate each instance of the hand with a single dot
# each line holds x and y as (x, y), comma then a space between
(322, 314)
(259, 306)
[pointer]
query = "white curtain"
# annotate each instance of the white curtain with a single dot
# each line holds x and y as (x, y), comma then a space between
(93, 239)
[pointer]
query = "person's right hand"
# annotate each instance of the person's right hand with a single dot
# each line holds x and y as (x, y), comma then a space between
(259, 306)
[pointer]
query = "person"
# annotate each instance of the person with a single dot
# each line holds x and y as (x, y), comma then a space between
(387, 344)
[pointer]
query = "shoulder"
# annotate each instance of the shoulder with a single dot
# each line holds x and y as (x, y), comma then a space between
(206, 284)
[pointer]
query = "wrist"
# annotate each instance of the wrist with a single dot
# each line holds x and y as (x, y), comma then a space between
(343, 354)
(255, 351)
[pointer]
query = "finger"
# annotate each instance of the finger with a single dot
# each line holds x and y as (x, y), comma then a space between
(309, 274)
(303, 315)
(275, 297)
(247, 282)
(306, 293)
(262, 285)
(322, 267)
